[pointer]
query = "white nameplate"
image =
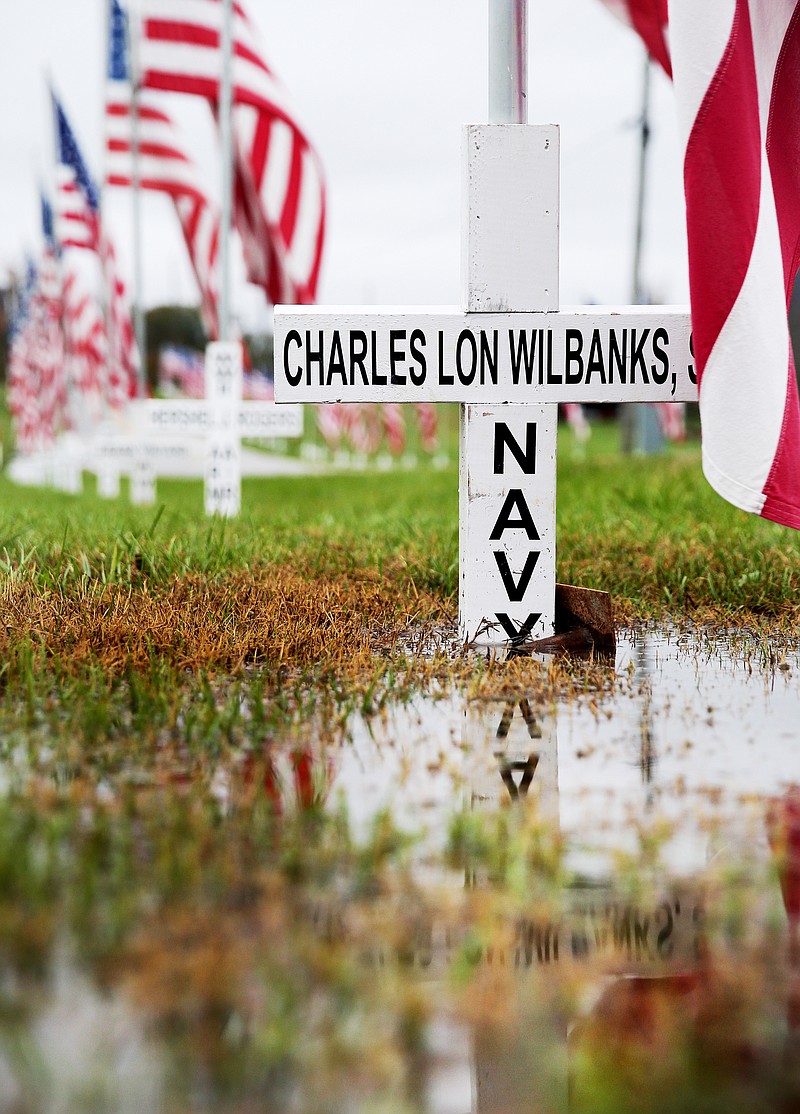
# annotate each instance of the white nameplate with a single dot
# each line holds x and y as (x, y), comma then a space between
(593, 354)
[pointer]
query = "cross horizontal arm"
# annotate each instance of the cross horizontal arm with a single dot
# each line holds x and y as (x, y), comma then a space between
(196, 417)
(442, 354)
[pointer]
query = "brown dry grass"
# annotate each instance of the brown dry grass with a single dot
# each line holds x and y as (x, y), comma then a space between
(273, 616)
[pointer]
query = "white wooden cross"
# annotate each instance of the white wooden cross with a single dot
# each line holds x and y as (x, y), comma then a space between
(510, 355)
(222, 418)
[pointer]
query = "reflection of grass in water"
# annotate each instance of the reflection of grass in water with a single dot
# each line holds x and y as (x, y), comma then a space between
(275, 957)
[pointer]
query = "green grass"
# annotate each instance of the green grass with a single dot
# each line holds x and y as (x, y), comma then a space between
(649, 530)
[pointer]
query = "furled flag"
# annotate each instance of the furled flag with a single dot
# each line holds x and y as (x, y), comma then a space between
(78, 225)
(279, 193)
(736, 72)
(163, 165)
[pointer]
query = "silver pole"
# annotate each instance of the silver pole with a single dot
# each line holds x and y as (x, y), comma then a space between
(638, 292)
(139, 326)
(226, 145)
(508, 61)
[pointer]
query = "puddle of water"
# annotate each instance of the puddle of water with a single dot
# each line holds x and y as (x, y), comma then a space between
(630, 939)
(696, 737)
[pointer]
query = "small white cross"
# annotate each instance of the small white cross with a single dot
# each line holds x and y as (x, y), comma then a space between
(222, 418)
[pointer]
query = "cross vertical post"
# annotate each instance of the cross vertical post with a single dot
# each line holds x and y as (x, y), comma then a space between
(507, 479)
(223, 478)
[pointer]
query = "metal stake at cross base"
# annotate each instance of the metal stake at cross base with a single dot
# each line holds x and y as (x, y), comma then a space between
(509, 262)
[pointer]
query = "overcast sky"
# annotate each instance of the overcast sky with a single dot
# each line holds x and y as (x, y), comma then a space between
(382, 90)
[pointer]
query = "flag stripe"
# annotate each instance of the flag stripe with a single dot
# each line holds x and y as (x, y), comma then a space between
(279, 195)
(717, 157)
(736, 67)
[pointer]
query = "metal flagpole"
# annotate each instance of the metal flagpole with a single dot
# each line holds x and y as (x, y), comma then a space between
(640, 429)
(139, 326)
(226, 145)
(638, 292)
(508, 61)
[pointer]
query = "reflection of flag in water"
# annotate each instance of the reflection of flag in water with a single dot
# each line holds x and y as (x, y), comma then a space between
(164, 165)
(783, 833)
(736, 69)
(291, 781)
(279, 202)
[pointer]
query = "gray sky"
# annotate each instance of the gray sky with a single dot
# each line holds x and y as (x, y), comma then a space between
(382, 90)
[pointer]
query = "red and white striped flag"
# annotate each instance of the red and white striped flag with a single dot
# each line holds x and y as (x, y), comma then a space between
(86, 342)
(394, 427)
(650, 19)
(331, 422)
(36, 380)
(164, 166)
(279, 197)
(363, 426)
(78, 225)
(672, 420)
(736, 72)
(428, 426)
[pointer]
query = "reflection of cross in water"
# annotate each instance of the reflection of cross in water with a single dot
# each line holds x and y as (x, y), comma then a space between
(648, 758)
(508, 767)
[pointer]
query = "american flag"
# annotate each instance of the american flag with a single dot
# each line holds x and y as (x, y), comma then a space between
(331, 423)
(672, 420)
(164, 165)
(736, 73)
(181, 370)
(258, 386)
(23, 370)
(428, 425)
(86, 341)
(394, 427)
(362, 426)
(77, 203)
(36, 375)
(78, 225)
(576, 420)
(279, 192)
(649, 18)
